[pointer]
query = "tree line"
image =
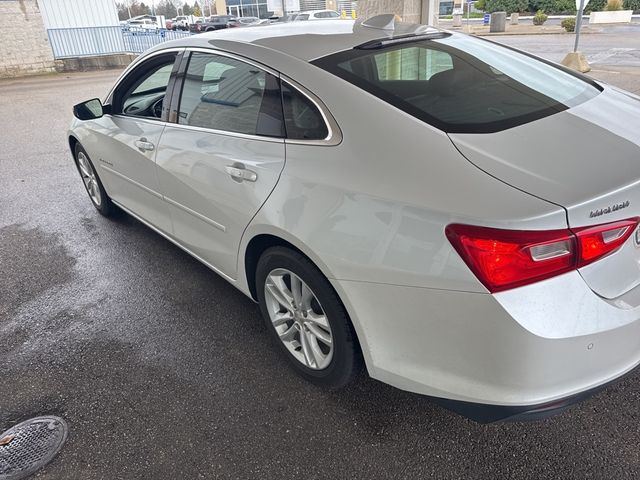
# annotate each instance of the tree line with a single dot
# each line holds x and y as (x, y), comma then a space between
(168, 8)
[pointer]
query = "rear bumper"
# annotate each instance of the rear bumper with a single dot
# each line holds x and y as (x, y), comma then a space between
(527, 354)
(486, 413)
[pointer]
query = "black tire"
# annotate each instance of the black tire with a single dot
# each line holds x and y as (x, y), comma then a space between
(106, 206)
(346, 361)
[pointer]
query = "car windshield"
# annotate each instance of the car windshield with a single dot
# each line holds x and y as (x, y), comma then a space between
(460, 84)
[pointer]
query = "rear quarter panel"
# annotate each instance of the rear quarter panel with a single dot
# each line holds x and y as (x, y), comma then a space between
(374, 207)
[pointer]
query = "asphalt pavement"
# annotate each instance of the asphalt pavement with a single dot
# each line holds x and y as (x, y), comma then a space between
(164, 371)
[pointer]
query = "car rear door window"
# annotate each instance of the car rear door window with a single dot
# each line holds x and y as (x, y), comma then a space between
(226, 94)
(302, 118)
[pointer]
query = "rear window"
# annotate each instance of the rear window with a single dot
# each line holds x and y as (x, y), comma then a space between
(460, 84)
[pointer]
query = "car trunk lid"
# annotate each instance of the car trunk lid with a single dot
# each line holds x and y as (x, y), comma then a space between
(585, 159)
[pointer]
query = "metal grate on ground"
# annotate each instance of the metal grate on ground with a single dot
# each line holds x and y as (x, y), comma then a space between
(30, 445)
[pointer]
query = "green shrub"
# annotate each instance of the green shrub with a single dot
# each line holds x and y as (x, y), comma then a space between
(482, 4)
(569, 24)
(595, 6)
(632, 5)
(613, 5)
(554, 7)
(508, 6)
(540, 17)
(562, 7)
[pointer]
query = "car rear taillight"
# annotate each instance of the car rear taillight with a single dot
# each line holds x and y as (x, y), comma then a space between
(599, 241)
(504, 259)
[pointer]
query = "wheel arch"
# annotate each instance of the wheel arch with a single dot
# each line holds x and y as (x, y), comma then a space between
(260, 242)
(73, 141)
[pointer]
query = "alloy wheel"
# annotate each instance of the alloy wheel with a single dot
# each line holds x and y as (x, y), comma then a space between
(299, 319)
(89, 178)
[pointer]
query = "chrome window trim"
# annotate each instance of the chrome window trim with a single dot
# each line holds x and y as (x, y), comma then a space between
(334, 137)
(226, 133)
(153, 121)
(240, 58)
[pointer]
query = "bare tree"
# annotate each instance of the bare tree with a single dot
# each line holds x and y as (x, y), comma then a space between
(166, 8)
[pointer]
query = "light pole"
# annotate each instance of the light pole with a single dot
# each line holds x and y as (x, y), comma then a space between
(578, 24)
(576, 60)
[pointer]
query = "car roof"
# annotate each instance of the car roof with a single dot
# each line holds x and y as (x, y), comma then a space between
(302, 40)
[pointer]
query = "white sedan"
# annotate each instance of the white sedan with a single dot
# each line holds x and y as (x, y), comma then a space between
(459, 216)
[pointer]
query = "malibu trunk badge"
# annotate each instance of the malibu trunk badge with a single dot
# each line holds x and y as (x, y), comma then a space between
(613, 208)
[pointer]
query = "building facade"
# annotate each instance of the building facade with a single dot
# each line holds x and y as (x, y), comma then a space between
(24, 46)
(78, 14)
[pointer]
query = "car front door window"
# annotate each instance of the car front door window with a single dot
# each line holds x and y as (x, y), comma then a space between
(144, 95)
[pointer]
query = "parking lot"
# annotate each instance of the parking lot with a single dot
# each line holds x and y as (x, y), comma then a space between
(164, 371)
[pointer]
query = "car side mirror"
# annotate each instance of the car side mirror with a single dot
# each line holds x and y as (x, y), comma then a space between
(90, 110)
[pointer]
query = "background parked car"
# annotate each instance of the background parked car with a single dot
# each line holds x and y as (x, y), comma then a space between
(196, 26)
(182, 23)
(145, 25)
(218, 22)
(316, 15)
(246, 21)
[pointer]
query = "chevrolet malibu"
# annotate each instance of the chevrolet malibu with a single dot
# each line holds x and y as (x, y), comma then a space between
(458, 216)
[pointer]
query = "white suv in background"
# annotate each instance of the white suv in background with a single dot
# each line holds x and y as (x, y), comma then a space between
(316, 15)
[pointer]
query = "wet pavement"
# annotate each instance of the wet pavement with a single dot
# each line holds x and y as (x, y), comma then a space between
(164, 371)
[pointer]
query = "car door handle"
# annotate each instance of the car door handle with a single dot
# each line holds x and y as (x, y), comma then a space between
(144, 145)
(241, 173)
